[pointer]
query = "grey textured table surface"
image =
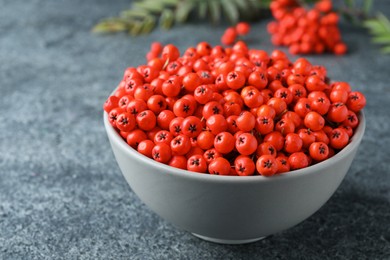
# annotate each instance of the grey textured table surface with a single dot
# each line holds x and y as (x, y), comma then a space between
(62, 195)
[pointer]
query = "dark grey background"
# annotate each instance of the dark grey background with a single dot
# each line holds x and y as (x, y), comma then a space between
(62, 195)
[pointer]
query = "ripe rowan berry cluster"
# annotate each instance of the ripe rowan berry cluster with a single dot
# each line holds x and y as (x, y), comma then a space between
(233, 111)
(306, 31)
(230, 35)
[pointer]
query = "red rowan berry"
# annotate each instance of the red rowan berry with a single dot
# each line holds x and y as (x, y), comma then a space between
(219, 166)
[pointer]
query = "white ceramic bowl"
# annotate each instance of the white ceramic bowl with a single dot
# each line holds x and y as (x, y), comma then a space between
(232, 209)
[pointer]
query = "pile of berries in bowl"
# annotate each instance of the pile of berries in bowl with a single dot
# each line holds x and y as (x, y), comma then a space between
(232, 144)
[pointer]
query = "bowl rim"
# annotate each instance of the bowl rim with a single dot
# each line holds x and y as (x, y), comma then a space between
(313, 169)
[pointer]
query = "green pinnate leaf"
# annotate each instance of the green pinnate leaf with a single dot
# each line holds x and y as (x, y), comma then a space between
(134, 14)
(171, 3)
(386, 50)
(150, 6)
(242, 5)
(256, 4)
(110, 25)
(367, 5)
(379, 27)
(215, 11)
(148, 24)
(231, 11)
(135, 28)
(202, 10)
(167, 19)
(183, 10)
(383, 39)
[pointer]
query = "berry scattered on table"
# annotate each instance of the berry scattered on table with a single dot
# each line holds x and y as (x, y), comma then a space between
(231, 34)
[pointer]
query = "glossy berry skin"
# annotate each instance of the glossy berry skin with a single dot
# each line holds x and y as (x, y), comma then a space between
(143, 92)
(252, 97)
(164, 119)
(195, 150)
(211, 108)
(152, 133)
(161, 153)
(178, 161)
(175, 126)
(293, 143)
(285, 94)
(246, 121)
(278, 104)
(338, 95)
(203, 94)
(156, 103)
(264, 125)
(338, 112)
(266, 148)
(307, 137)
(205, 140)
(211, 154)
(352, 120)
(338, 138)
(242, 28)
(356, 101)
(170, 52)
(111, 102)
(163, 136)
(283, 164)
(219, 166)
(191, 81)
(197, 163)
(276, 139)
(191, 126)
(302, 66)
(266, 165)
(314, 121)
(235, 79)
(244, 165)
(319, 151)
(315, 83)
(294, 117)
(320, 104)
(232, 124)
(125, 122)
(298, 91)
(136, 106)
(266, 110)
(229, 36)
(180, 145)
(217, 124)
(113, 115)
(302, 107)
(183, 108)
(224, 142)
(146, 120)
(246, 144)
(285, 126)
(135, 137)
(145, 147)
(298, 160)
(171, 87)
(258, 79)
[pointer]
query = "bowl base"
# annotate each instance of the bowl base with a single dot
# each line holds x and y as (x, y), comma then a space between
(228, 241)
